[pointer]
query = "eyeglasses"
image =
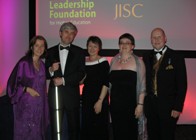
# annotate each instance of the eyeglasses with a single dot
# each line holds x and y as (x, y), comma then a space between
(126, 43)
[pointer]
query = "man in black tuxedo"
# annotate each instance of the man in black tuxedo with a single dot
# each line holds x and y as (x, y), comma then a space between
(166, 88)
(65, 67)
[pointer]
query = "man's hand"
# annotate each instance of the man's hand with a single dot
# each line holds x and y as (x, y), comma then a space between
(54, 67)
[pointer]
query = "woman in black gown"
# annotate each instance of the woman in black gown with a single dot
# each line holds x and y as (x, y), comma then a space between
(95, 109)
(127, 91)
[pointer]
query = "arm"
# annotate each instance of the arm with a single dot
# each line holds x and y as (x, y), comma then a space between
(181, 86)
(141, 88)
(52, 62)
(75, 69)
(104, 90)
(98, 104)
(18, 82)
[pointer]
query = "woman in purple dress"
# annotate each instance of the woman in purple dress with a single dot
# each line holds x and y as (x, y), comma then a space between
(26, 88)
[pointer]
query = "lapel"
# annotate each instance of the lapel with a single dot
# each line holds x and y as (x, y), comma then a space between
(56, 55)
(166, 61)
(56, 58)
(151, 60)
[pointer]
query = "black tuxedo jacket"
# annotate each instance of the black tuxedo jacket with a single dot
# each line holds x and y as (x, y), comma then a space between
(69, 94)
(171, 82)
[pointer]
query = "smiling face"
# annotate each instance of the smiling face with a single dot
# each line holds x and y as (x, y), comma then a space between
(67, 36)
(38, 48)
(125, 45)
(93, 48)
(158, 39)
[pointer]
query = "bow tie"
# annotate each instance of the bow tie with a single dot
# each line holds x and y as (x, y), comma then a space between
(62, 47)
(160, 52)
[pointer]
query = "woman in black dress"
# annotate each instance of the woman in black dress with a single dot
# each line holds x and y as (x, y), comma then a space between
(127, 79)
(95, 109)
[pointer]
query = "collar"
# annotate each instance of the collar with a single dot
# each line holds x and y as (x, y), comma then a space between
(161, 50)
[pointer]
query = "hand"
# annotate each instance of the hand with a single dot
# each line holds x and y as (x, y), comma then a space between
(175, 114)
(32, 92)
(58, 81)
(138, 111)
(55, 66)
(98, 106)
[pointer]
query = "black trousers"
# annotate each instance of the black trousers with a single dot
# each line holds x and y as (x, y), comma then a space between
(73, 123)
(159, 126)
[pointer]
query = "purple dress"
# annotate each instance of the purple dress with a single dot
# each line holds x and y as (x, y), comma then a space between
(30, 113)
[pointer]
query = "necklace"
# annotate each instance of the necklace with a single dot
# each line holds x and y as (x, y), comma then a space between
(122, 60)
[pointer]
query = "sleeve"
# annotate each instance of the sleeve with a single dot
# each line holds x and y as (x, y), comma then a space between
(106, 68)
(181, 83)
(141, 89)
(15, 88)
(142, 77)
(48, 63)
(78, 71)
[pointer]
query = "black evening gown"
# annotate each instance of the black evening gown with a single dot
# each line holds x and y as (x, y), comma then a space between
(123, 104)
(95, 126)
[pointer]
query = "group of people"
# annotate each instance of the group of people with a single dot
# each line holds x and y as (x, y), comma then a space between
(142, 97)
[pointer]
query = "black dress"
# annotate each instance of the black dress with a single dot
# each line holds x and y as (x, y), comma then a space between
(95, 126)
(123, 104)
